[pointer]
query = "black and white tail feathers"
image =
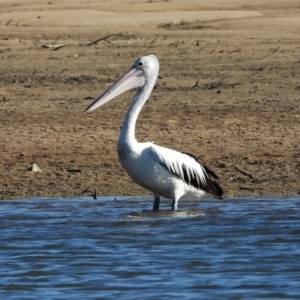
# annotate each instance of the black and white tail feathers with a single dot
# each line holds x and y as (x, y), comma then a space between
(210, 186)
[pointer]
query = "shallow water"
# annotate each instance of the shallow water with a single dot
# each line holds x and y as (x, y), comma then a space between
(112, 249)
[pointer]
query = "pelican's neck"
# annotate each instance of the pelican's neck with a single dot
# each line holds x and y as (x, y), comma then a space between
(127, 135)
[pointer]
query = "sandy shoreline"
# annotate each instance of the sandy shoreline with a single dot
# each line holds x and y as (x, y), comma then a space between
(228, 92)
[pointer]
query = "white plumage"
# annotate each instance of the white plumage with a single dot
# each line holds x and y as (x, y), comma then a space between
(165, 172)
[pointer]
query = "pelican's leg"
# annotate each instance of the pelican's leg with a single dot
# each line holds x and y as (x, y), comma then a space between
(174, 204)
(175, 195)
(156, 201)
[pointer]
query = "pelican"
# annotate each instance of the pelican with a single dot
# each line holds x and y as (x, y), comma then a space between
(165, 172)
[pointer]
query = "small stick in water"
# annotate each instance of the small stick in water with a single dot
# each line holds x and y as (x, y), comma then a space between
(95, 195)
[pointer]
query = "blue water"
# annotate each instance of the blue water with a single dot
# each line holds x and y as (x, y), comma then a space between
(82, 248)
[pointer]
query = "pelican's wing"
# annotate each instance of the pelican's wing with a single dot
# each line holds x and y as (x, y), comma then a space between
(185, 166)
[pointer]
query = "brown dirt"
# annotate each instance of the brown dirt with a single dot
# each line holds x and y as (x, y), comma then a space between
(228, 91)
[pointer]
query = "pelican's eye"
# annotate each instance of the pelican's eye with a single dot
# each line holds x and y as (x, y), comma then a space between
(141, 64)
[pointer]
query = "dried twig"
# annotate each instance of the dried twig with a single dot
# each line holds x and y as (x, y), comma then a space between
(85, 190)
(8, 22)
(175, 44)
(213, 85)
(54, 47)
(274, 50)
(105, 38)
(110, 42)
(247, 173)
(235, 50)
(152, 42)
(74, 170)
(55, 40)
(247, 188)
(213, 50)
(261, 68)
(195, 85)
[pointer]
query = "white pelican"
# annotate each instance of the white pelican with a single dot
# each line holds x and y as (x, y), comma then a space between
(165, 172)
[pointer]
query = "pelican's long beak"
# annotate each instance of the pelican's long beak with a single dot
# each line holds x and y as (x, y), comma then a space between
(131, 79)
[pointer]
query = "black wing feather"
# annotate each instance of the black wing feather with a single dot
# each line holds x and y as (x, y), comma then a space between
(210, 186)
(191, 177)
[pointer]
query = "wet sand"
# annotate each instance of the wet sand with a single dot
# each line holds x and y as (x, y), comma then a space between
(228, 92)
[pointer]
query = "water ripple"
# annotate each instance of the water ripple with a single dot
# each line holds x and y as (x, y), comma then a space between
(108, 249)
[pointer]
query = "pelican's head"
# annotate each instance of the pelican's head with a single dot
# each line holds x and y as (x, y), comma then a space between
(143, 70)
(149, 64)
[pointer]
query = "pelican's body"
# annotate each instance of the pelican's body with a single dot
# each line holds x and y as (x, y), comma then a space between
(155, 173)
(165, 172)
